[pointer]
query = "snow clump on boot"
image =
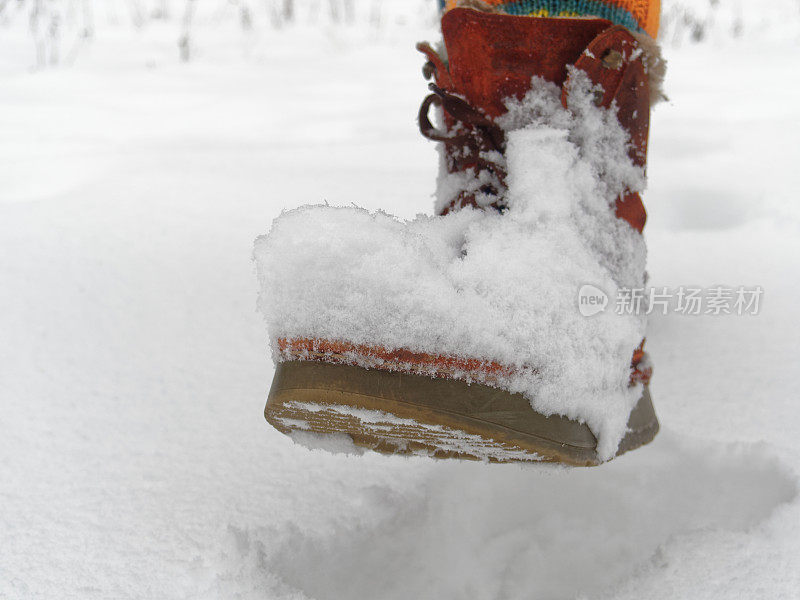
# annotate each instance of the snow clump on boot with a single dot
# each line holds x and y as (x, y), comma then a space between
(483, 285)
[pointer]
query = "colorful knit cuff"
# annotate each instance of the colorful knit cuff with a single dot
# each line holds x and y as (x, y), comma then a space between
(636, 15)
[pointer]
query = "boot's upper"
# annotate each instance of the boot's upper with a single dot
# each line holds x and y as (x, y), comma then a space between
(477, 295)
(492, 58)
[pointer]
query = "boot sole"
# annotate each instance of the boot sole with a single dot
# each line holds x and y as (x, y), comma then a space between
(400, 413)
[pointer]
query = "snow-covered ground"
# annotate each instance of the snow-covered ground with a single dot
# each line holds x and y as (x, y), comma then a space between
(134, 458)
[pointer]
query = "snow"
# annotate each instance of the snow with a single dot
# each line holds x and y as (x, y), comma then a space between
(685, 21)
(479, 285)
(134, 459)
(381, 423)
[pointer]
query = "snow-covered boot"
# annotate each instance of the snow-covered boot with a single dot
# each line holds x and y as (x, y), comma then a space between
(461, 335)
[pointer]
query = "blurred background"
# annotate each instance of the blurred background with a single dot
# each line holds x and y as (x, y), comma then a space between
(38, 34)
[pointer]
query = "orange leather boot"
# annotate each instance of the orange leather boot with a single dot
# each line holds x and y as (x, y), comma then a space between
(406, 400)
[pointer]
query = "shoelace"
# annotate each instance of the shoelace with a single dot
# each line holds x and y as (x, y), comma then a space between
(470, 143)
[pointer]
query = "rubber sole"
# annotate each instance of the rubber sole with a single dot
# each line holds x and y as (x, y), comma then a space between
(399, 413)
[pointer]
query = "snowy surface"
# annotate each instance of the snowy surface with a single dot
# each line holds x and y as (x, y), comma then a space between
(480, 285)
(134, 459)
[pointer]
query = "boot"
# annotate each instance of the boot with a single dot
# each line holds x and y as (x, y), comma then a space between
(543, 126)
